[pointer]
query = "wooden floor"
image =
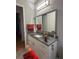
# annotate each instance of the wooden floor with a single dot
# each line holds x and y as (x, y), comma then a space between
(19, 44)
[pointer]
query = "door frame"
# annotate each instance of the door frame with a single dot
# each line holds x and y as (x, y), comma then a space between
(20, 5)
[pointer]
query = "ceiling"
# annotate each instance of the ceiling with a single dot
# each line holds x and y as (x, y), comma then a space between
(33, 1)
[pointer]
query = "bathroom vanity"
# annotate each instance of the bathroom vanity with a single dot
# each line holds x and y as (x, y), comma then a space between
(44, 50)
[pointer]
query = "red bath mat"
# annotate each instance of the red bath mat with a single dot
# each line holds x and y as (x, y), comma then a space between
(30, 55)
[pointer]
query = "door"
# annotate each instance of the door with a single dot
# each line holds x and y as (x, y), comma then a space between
(19, 10)
(19, 29)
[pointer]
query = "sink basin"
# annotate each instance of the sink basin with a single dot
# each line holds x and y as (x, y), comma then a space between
(37, 35)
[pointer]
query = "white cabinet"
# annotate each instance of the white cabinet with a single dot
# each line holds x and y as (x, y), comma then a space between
(53, 50)
(43, 51)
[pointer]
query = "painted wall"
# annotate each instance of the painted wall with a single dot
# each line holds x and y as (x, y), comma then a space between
(56, 4)
(28, 10)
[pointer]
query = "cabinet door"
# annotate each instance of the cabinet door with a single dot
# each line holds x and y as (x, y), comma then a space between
(42, 50)
(53, 51)
(31, 42)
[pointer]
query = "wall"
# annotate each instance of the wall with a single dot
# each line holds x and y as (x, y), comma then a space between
(28, 10)
(56, 4)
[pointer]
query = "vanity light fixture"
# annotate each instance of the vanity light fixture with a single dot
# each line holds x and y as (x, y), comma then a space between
(42, 5)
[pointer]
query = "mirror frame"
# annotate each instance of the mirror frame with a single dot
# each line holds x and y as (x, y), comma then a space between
(55, 17)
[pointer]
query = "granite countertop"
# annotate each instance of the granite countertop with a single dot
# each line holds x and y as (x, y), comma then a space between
(50, 40)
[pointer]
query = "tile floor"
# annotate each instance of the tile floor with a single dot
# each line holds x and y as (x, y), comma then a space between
(20, 48)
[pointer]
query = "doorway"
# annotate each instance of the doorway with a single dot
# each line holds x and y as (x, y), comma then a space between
(20, 44)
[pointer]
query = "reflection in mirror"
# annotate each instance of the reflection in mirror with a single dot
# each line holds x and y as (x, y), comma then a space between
(46, 22)
(38, 22)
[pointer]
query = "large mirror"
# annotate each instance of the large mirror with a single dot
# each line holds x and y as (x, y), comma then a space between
(46, 22)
